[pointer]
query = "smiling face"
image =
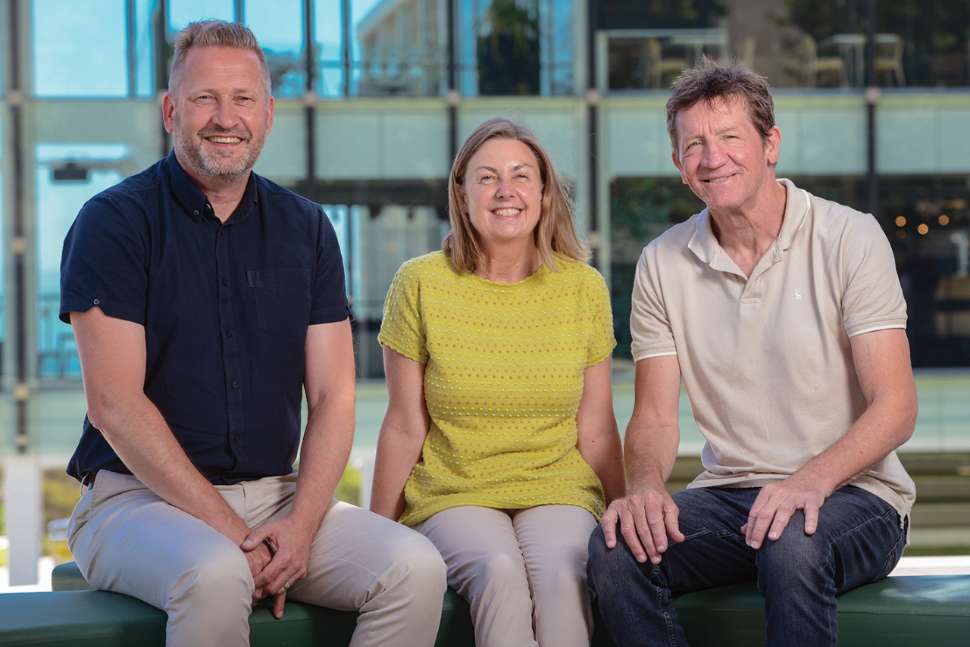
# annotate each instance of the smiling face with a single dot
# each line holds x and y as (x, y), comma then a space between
(502, 192)
(219, 113)
(722, 156)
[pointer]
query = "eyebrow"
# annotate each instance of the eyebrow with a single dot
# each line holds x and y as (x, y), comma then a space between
(494, 170)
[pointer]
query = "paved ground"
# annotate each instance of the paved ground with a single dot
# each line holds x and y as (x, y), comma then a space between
(943, 423)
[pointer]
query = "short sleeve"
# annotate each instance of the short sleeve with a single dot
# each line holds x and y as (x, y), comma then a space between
(650, 330)
(872, 298)
(402, 328)
(329, 289)
(601, 339)
(104, 263)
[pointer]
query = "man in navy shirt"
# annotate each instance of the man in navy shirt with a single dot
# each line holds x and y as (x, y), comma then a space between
(203, 299)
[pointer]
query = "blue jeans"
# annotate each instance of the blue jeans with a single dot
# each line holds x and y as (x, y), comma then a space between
(859, 540)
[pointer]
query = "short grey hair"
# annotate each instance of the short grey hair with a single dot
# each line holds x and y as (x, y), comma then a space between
(215, 33)
(711, 81)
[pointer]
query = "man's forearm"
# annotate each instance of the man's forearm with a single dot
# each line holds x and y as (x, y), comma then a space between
(884, 426)
(649, 453)
(143, 440)
(326, 447)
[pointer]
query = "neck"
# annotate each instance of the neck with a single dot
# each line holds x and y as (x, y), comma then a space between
(506, 265)
(223, 192)
(751, 229)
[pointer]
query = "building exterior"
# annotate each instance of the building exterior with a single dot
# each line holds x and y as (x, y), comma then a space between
(873, 100)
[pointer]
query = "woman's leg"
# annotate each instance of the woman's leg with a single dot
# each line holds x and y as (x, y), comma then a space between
(553, 539)
(486, 567)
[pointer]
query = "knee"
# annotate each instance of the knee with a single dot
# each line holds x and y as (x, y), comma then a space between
(608, 568)
(502, 571)
(417, 565)
(219, 574)
(793, 559)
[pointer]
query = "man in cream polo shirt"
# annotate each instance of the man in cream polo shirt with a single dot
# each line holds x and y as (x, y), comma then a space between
(783, 315)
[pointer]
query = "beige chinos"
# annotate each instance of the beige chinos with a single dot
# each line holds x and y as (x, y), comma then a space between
(523, 572)
(126, 539)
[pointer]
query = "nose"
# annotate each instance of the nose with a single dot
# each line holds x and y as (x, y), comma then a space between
(503, 188)
(713, 155)
(224, 115)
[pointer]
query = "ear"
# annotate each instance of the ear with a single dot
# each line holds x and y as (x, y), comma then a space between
(168, 112)
(680, 168)
(773, 146)
(272, 114)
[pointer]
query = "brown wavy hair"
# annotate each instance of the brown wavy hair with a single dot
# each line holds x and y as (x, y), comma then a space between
(554, 234)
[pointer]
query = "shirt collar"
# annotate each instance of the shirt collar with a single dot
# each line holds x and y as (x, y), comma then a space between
(193, 200)
(703, 243)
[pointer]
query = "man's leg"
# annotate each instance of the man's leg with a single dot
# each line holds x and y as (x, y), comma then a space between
(635, 600)
(486, 567)
(359, 561)
(858, 540)
(553, 540)
(126, 539)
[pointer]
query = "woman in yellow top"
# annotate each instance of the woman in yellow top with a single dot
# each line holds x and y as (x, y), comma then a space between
(499, 443)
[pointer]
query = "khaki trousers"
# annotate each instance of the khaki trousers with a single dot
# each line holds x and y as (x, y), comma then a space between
(523, 572)
(126, 539)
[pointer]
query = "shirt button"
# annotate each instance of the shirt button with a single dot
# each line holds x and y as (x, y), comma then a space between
(225, 281)
(195, 212)
(229, 334)
(235, 384)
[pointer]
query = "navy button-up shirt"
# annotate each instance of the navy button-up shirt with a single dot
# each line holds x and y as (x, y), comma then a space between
(225, 308)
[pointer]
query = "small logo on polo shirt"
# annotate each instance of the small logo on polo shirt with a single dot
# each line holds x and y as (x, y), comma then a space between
(798, 295)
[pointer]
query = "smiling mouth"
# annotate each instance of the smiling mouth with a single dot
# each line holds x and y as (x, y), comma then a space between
(223, 139)
(718, 180)
(507, 212)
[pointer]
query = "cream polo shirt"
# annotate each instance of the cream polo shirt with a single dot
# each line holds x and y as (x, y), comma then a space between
(766, 360)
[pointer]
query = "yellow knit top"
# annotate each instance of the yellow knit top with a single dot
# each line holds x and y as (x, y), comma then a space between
(503, 380)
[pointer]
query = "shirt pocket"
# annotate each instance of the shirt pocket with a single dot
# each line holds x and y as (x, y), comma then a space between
(282, 300)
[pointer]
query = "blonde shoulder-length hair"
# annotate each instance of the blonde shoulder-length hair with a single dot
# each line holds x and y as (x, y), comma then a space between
(553, 235)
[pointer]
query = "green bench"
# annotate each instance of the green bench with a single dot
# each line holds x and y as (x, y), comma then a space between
(897, 612)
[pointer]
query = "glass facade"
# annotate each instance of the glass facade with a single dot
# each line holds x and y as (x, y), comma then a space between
(795, 43)
(392, 98)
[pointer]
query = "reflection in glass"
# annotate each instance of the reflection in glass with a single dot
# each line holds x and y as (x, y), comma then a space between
(57, 205)
(278, 25)
(65, 61)
(558, 51)
(327, 25)
(398, 47)
(147, 14)
(182, 12)
(515, 47)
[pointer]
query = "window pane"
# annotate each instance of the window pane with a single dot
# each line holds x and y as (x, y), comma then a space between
(398, 48)
(57, 205)
(516, 47)
(66, 61)
(278, 25)
(327, 29)
(924, 42)
(147, 12)
(182, 12)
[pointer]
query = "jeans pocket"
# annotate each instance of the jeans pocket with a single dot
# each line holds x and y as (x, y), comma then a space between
(897, 550)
